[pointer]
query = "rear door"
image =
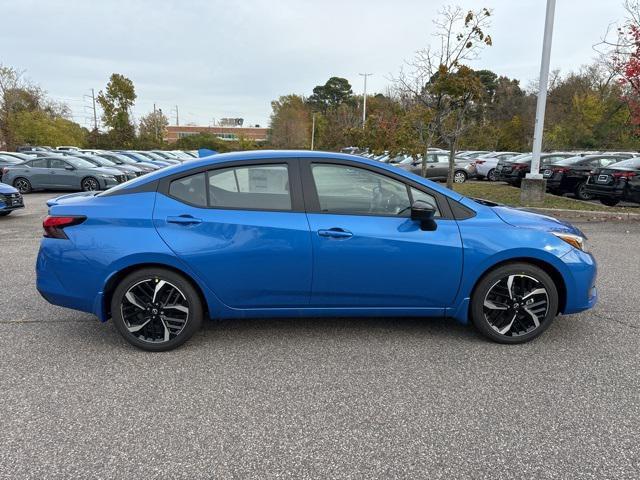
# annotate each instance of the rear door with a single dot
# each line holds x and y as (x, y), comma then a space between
(242, 229)
(367, 252)
(39, 173)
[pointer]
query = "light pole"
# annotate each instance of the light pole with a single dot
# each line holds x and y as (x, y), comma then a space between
(534, 186)
(313, 129)
(364, 103)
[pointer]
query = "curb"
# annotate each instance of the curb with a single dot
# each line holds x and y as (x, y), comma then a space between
(586, 215)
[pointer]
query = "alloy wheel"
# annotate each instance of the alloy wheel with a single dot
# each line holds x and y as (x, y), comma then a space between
(22, 185)
(90, 185)
(582, 193)
(516, 305)
(459, 177)
(492, 175)
(154, 310)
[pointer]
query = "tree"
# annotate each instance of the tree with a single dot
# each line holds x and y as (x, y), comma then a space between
(290, 123)
(38, 127)
(152, 129)
(332, 94)
(460, 37)
(116, 102)
(203, 140)
(16, 95)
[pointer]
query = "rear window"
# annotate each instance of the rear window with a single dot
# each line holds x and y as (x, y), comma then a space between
(190, 189)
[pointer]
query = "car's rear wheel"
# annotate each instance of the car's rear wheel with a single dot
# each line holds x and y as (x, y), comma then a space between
(514, 303)
(581, 192)
(609, 202)
(459, 176)
(23, 185)
(492, 175)
(156, 309)
(89, 184)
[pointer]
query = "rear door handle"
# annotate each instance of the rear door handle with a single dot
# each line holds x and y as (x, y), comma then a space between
(335, 233)
(184, 220)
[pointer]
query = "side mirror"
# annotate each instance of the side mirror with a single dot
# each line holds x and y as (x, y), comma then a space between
(424, 213)
(69, 167)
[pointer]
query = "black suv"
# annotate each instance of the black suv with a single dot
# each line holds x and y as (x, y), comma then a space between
(620, 181)
(570, 174)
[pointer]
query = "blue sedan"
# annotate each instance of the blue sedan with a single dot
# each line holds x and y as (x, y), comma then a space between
(299, 233)
(10, 199)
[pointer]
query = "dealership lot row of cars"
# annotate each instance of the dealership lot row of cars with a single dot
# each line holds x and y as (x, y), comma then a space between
(70, 168)
(610, 177)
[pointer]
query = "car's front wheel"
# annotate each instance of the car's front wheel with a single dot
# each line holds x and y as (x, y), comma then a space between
(156, 309)
(89, 184)
(514, 303)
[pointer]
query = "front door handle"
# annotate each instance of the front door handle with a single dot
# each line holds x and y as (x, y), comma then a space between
(184, 220)
(335, 233)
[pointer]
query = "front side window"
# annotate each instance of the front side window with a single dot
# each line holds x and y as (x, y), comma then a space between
(356, 191)
(190, 189)
(57, 163)
(255, 187)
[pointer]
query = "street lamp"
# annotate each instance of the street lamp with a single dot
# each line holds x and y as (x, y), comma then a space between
(364, 103)
(533, 185)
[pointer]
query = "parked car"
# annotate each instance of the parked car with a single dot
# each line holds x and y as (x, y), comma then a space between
(514, 169)
(156, 157)
(486, 164)
(129, 171)
(570, 175)
(470, 153)
(438, 167)
(142, 158)
(120, 159)
(230, 237)
(615, 183)
(10, 199)
(169, 156)
(61, 173)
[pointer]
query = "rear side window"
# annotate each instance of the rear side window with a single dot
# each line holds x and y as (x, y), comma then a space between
(255, 187)
(39, 163)
(190, 190)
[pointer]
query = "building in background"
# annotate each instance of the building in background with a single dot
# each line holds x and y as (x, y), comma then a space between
(258, 134)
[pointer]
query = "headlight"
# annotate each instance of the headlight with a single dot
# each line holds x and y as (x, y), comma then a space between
(108, 177)
(574, 240)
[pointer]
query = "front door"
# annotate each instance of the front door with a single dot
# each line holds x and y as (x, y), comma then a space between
(367, 252)
(243, 230)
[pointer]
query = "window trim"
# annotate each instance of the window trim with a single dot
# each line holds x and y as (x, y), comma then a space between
(295, 189)
(312, 202)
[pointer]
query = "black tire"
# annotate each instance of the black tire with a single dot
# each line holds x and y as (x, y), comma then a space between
(518, 317)
(491, 176)
(90, 184)
(581, 192)
(459, 176)
(151, 327)
(4, 214)
(23, 185)
(609, 202)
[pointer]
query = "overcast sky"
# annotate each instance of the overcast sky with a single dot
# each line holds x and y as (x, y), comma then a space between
(231, 58)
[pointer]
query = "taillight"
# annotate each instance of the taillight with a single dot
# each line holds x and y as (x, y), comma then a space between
(519, 166)
(480, 162)
(560, 170)
(626, 175)
(54, 226)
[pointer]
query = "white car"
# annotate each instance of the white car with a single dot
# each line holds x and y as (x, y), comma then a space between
(486, 164)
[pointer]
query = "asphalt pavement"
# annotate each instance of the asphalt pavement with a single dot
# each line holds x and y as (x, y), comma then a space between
(319, 398)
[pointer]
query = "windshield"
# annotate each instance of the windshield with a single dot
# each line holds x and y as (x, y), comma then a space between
(79, 162)
(631, 163)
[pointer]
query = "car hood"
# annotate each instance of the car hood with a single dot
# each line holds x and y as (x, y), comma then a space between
(4, 188)
(107, 170)
(536, 221)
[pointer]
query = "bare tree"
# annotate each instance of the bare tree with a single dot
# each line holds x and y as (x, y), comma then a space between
(460, 37)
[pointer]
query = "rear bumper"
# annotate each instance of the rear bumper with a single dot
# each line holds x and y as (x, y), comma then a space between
(605, 190)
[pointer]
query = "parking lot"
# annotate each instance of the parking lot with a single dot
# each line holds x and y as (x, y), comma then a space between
(319, 398)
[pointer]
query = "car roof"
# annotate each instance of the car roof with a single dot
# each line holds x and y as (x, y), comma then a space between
(280, 155)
